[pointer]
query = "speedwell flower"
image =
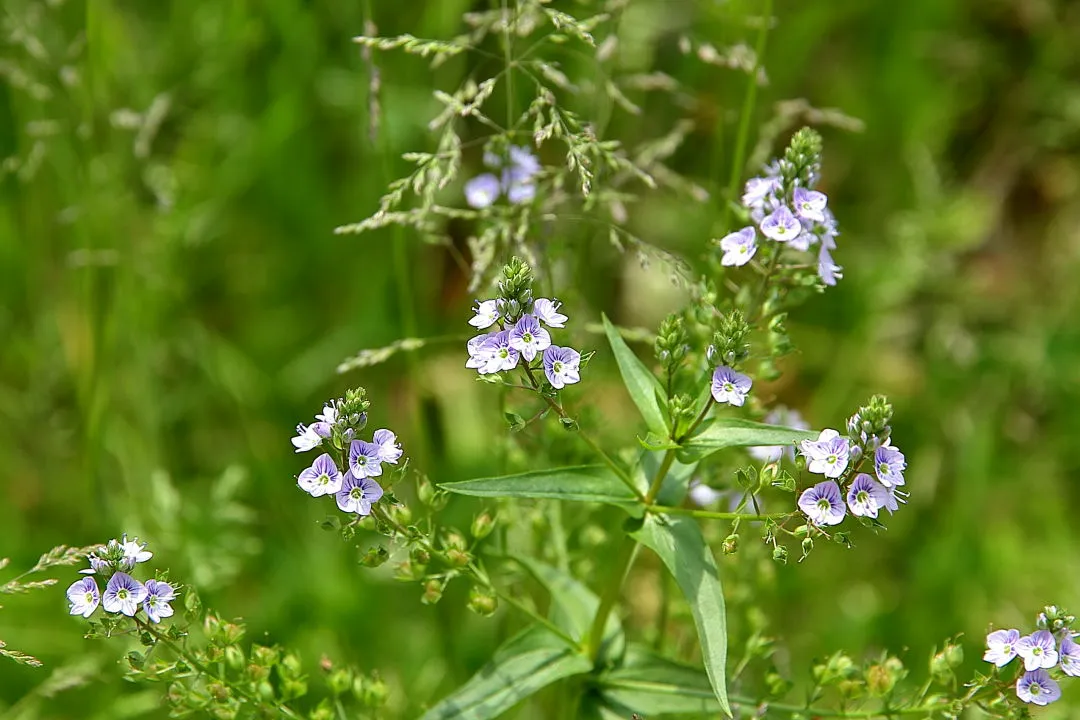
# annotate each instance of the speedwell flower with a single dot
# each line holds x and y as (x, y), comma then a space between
(357, 495)
(828, 455)
(738, 247)
(500, 356)
(528, 338)
(389, 447)
(809, 204)
(548, 312)
(823, 503)
(1038, 650)
(1036, 686)
(482, 191)
(562, 366)
(307, 438)
(322, 478)
(1001, 647)
(729, 386)
(123, 594)
(364, 459)
(1069, 656)
(889, 465)
(866, 496)
(158, 596)
(781, 225)
(84, 597)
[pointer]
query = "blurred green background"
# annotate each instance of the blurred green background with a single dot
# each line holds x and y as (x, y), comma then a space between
(173, 301)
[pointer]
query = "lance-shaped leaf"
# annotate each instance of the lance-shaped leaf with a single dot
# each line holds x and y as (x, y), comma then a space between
(525, 664)
(682, 548)
(584, 483)
(573, 606)
(724, 432)
(650, 684)
(645, 390)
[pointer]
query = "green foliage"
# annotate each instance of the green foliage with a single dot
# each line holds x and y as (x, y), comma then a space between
(683, 549)
(528, 662)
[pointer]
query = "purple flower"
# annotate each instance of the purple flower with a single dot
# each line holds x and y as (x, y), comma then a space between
(306, 439)
(329, 414)
(123, 594)
(729, 386)
(528, 338)
(757, 189)
(482, 191)
(134, 551)
(738, 247)
(519, 187)
(548, 312)
(389, 447)
(561, 366)
(84, 597)
(866, 496)
(322, 478)
(829, 271)
(498, 353)
(156, 604)
(1069, 656)
(823, 503)
(357, 495)
(364, 459)
(889, 465)
(810, 203)
(487, 314)
(781, 225)
(895, 498)
(1037, 687)
(1038, 650)
(1001, 647)
(773, 453)
(828, 455)
(522, 160)
(478, 353)
(803, 242)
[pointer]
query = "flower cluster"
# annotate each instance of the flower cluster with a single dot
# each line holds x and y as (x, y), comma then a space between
(348, 470)
(123, 593)
(840, 459)
(785, 208)
(517, 329)
(1048, 651)
(516, 179)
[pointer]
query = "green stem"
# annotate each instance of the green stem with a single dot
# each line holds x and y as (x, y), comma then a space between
(744, 118)
(627, 550)
(614, 466)
(827, 712)
(750, 517)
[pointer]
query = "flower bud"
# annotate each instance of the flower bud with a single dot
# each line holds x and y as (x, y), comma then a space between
(234, 657)
(375, 556)
(433, 590)
(401, 514)
(375, 693)
(807, 545)
(780, 554)
(457, 558)
(425, 491)
(731, 544)
(482, 525)
(482, 602)
(340, 681)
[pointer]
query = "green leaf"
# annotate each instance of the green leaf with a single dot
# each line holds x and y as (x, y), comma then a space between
(645, 390)
(573, 606)
(526, 663)
(682, 548)
(584, 483)
(649, 684)
(724, 432)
